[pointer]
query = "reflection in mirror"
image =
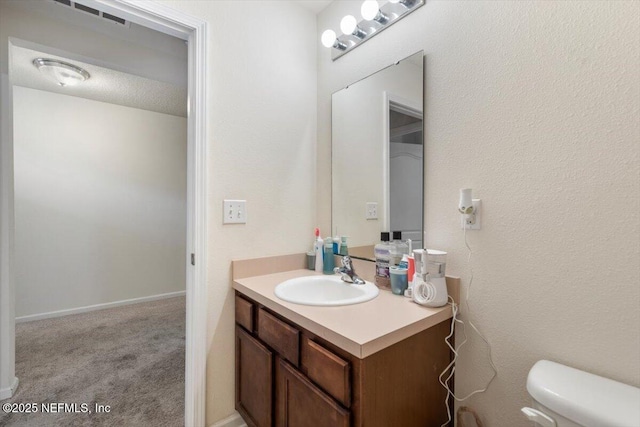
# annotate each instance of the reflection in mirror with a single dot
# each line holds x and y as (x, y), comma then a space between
(378, 157)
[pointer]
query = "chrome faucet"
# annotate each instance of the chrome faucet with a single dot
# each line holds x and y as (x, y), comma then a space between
(348, 273)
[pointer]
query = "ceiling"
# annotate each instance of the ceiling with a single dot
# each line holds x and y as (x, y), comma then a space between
(105, 84)
(161, 89)
(134, 66)
(315, 6)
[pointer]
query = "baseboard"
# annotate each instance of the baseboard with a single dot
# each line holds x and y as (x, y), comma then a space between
(87, 308)
(234, 420)
(6, 393)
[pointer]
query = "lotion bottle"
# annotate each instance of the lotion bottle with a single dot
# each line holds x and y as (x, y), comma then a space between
(318, 249)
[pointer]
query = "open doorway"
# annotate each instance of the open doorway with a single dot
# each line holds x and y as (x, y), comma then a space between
(193, 231)
(406, 165)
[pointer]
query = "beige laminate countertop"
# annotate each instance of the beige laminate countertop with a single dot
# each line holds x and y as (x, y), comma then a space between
(361, 329)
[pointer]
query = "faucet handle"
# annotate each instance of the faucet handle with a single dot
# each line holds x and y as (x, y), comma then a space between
(346, 262)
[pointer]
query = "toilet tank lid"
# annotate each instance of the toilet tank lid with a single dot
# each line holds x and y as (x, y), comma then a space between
(584, 398)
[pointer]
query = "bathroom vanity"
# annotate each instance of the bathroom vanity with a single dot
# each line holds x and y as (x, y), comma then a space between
(370, 364)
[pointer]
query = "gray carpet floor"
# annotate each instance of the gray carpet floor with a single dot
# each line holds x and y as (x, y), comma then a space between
(131, 358)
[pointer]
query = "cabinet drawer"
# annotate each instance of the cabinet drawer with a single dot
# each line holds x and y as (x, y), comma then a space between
(244, 313)
(329, 371)
(282, 337)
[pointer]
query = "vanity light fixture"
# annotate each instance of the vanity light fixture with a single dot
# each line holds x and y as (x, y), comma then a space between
(61, 72)
(349, 25)
(371, 12)
(329, 39)
(375, 19)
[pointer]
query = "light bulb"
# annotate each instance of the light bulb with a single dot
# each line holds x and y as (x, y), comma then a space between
(369, 9)
(328, 38)
(348, 24)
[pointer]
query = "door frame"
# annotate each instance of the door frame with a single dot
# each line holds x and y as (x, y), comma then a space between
(194, 31)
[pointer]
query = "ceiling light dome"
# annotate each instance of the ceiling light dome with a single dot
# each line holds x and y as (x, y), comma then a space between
(62, 73)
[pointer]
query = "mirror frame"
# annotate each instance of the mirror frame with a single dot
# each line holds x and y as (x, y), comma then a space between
(389, 99)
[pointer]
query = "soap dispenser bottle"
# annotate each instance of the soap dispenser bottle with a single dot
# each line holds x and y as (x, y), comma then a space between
(343, 246)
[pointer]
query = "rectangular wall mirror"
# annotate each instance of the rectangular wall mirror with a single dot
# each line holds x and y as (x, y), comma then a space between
(378, 157)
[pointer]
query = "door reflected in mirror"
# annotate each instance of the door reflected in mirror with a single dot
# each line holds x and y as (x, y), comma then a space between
(378, 157)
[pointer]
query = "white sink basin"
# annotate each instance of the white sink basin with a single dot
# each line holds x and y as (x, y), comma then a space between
(324, 291)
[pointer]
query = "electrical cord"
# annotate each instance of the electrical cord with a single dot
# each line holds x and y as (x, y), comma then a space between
(451, 366)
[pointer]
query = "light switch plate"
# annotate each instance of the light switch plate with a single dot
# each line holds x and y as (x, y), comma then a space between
(235, 212)
(372, 210)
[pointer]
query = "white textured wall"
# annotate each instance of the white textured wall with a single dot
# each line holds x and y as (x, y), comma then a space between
(262, 129)
(100, 202)
(535, 105)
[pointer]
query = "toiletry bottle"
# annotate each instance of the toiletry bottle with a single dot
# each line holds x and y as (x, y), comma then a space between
(404, 263)
(336, 245)
(343, 246)
(394, 254)
(382, 252)
(328, 256)
(403, 245)
(316, 232)
(400, 248)
(318, 248)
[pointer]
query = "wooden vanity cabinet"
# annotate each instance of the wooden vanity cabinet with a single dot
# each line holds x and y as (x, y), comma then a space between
(300, 403)
(288, 377)
(254, 380)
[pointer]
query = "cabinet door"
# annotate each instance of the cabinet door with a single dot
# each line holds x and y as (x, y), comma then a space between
(301, 404)
(254, 379)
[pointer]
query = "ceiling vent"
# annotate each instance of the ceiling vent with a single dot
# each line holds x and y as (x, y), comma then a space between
(94, 12)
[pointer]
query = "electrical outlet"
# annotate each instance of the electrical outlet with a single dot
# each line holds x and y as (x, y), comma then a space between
(372, 210)
(235, 212)
(472, 222)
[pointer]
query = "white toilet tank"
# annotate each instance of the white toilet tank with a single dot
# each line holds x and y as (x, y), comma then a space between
(567, 397)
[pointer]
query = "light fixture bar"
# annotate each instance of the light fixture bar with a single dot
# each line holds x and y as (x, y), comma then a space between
(387, 15)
